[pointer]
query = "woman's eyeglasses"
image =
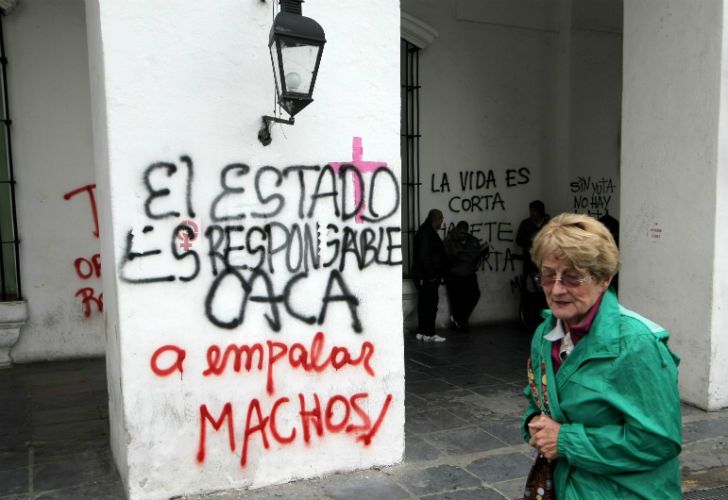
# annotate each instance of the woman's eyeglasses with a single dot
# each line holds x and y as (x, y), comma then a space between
(567, 279)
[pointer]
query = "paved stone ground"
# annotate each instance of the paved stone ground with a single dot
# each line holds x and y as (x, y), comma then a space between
(462, 438)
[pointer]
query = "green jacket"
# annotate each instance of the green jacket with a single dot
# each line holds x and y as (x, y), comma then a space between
(617, 400)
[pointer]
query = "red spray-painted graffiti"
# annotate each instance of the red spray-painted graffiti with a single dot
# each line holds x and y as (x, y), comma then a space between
(87, 269)
(89, 189)
(178, 364)
(88, 296)
(297, 356)
(354, 420)
(337, 414)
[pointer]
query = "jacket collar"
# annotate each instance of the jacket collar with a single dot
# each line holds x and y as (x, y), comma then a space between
(602, 341)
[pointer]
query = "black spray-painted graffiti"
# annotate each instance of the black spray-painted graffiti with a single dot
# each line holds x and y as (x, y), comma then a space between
(474, 193)
(246, 250)
(592, 196)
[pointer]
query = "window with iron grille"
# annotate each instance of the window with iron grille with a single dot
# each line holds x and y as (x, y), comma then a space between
(9, 257)
(410, 150)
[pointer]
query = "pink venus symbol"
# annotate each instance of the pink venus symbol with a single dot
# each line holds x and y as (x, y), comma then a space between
(357, 155)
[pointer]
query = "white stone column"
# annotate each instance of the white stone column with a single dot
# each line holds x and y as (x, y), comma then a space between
(254, 323)
(674, 224)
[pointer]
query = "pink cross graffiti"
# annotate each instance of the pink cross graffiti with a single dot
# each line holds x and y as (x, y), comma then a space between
(357, 153)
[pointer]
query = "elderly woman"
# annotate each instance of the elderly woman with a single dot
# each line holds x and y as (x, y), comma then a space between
(607, 377)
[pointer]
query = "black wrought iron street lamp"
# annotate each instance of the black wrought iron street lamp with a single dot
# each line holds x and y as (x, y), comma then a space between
(296, 43)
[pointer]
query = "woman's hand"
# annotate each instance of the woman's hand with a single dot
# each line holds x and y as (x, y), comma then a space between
(545, 435)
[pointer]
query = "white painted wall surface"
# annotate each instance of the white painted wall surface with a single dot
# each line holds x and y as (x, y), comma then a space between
(509, 89)
(117, 427)
(672, 243)
(481, 109)
(583, 110)
(52, 148)
(595, 114)
(186, 84)
(718, 390)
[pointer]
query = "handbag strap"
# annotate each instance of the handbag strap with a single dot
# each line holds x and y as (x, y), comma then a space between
(542, 403)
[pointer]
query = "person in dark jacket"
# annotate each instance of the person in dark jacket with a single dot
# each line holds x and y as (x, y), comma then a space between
(527, 230)
(430, 266)
(465, 253)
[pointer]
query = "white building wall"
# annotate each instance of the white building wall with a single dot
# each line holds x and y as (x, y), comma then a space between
(481, 109)
(718, 389)
(595, 115)
(117, 429)
(48, 89)
(181, 88)
(582, 109)
(672, 161)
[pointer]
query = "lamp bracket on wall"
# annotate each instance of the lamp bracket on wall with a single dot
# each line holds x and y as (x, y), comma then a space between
(264, 133)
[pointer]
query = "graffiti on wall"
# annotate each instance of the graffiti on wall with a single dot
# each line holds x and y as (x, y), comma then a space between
(592, 196)
(88, 267)
(247, 249)
(279, 244)
(305, 415)
(480, 198)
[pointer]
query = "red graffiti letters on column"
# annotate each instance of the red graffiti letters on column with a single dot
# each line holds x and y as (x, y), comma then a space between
(88, 268)
(338, 414)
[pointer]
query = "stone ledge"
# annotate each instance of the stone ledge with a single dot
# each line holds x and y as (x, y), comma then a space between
(13, 316)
